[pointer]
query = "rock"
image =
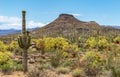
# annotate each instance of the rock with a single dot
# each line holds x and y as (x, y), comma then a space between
(31, 61)
(19, 61)
(109, 74)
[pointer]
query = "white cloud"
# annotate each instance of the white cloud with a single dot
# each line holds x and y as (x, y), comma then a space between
(33, 24)
(77, 14)
(15, 23)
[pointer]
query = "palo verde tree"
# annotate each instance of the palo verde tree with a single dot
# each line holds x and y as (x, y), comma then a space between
(24, 41)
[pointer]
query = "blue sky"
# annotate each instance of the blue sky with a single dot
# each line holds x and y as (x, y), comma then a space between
(41, 12)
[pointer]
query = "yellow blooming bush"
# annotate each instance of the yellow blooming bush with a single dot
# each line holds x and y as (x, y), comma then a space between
(50, 43)
(3, 47)
(4, 57)
(61, 42)
(117, 39)
(102, 42)
(12, 46)
(91, 42)
(72, 50)
(94, 62)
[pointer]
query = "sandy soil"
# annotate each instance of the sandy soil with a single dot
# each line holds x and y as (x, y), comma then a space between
(21, 74)
(14, 74)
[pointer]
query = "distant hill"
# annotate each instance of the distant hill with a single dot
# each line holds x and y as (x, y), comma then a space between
(11, 31)
(117, 27)
(67, 25)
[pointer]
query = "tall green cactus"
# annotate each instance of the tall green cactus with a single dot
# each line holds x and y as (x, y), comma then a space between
(24, 41)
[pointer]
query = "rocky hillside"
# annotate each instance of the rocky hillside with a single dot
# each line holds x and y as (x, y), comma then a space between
(67, 25)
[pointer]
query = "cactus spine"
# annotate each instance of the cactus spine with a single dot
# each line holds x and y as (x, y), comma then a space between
(24, 41)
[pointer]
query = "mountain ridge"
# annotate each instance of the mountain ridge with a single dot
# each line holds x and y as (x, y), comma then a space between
(65, 24)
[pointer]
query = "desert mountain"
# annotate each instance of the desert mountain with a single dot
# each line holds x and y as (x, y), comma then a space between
(67, 25)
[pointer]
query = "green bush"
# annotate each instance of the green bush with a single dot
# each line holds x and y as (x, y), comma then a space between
(56, 58)
(78, 73)
(113, 62)
(63, 70)
(6, 69)
(44, 66)
(68, 62)
(9, 66)
(19, 67)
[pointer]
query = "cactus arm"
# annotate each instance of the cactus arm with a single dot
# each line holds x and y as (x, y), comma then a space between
(20, 44)
(28, 41)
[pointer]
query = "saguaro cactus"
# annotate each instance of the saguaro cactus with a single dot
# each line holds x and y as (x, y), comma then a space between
(24, 41)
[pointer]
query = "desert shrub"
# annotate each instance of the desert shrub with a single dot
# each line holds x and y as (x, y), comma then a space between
(63, 70)
(3, 47)
(50, 43)
(117, 39)
(41, 45)
(39, 73)
(81, 41)
(94, 62)
(91, 42)
(72, 49)
(61, 43)
(12, 46)
(9, 66)
(19, 67)
(56, 58)
(67, 62)
(113, 62)
(102, 42)
(44, 66)
(4, 57)
(41, 60)
(6, 63)
(78, 73)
